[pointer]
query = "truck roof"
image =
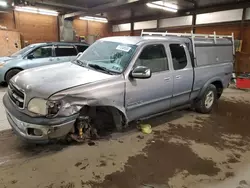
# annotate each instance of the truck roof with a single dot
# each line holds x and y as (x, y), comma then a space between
(135, 40)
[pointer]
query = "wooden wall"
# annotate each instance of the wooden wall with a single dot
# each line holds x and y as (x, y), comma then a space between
(35, 28)
(6, 19)
(9, 42)
(85, 28)
(122, 33)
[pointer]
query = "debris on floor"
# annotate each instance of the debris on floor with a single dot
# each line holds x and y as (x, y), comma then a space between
(145, 128)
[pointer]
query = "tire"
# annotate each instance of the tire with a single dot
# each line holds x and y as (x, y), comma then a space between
(207, 101)
(10, 74)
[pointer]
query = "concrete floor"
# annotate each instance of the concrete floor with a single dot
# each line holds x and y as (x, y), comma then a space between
(185, 150)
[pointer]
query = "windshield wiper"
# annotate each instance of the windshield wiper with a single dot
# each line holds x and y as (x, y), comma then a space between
(95, 66)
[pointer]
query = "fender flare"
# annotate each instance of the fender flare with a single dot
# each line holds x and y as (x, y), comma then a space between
(203, 89)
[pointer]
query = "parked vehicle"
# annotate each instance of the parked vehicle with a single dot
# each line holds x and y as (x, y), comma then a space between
(118, 80)
(36, 55)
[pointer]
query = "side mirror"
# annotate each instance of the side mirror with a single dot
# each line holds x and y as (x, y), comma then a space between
(79, 54)
(141, 72)
(30, 56)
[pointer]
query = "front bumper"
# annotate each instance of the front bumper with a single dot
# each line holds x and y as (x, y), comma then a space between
(51, 129)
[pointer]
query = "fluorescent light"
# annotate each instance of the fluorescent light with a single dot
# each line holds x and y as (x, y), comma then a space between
(166, 4)
(37, 10)
(163, 5)
(3, 4)
(96, 19)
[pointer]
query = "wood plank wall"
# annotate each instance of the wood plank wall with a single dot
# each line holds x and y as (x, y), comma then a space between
(85, 28)
(9, 42)
(36, 28)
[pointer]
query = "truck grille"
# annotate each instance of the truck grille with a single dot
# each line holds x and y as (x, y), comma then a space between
(16, 95)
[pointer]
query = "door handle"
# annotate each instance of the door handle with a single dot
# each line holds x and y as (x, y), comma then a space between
(58, 58)
(167, 78)
(51, 59)
(178, 77)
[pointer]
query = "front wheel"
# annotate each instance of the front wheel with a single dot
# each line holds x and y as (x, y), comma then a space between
(207, 101)
(10, 74)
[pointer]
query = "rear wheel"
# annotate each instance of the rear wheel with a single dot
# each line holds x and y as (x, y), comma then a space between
(207, 101)
(10, 74)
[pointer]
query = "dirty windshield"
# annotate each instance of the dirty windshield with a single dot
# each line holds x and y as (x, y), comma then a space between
(23, 51)
(108, 56)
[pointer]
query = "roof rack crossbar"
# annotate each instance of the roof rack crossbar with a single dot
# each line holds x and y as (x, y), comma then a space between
(186, 34)
(192, 35)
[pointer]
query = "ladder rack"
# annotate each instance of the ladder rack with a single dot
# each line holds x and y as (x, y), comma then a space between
(193, 36)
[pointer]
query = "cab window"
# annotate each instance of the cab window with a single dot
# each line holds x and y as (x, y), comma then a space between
(179, 57)
(154, 57)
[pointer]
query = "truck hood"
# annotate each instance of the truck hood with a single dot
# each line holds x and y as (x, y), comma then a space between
(47, 80)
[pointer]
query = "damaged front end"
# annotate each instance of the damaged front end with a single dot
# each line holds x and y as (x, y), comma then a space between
(100, 109)
(82, 112)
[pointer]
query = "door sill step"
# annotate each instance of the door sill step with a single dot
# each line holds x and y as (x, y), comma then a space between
(166, 112)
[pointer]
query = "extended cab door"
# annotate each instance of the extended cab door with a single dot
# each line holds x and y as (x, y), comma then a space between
(148, 96)
(65, 53)
(40, 56)
(182, 74)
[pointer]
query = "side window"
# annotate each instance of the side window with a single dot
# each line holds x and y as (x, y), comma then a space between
(153, 57)
(65, 51)
(179, 57)
(42, 52)
(81, 48)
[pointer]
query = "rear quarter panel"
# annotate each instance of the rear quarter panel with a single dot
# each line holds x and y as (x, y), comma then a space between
(213, 63)
(211, 73)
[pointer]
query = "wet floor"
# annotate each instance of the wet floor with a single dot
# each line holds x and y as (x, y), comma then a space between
(185, 150)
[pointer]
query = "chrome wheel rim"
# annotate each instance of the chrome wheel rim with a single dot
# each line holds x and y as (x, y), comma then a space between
(209, 99)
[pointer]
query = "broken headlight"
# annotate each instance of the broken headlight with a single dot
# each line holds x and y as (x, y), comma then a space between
(53, 108)
(44, 107)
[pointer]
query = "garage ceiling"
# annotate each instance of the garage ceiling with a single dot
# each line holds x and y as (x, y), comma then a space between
(122, 10)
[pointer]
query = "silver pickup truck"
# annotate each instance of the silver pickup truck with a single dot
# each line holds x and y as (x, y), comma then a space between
(118, 80)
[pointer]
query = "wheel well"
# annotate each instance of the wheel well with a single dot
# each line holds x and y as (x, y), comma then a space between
(105, 116)
(10, 70)
(219, 87)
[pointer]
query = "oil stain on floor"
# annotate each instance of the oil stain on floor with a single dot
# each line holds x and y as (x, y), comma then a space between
(162, 159)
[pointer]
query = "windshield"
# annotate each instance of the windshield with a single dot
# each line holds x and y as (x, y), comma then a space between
(23, 51)
(106, 55)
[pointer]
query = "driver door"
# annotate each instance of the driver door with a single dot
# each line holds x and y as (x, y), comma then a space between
(149, 96)
(41, 56)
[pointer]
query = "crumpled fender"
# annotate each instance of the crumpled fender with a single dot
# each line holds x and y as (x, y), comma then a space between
(105, 93)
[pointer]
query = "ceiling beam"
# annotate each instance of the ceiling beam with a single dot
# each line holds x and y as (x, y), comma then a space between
(56, 4)
(119, 4)
(214, 8)
(191, 1)
(220, 7)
